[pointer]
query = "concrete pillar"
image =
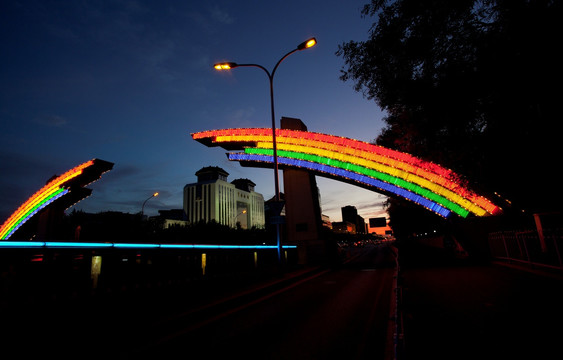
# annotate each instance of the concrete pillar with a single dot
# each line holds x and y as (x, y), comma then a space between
(302, 208)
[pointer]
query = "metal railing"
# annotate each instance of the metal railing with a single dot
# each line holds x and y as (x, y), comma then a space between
(528, 247)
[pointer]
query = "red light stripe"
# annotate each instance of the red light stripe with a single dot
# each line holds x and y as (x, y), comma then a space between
(40, 195)
(428, 170)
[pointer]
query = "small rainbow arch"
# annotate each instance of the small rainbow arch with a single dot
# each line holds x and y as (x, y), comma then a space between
(55, 189)
(375, 167)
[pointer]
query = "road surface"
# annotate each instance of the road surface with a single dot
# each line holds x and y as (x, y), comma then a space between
(305, 314)
(333, 314)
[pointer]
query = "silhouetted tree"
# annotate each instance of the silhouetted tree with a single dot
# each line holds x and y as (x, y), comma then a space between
(472, 85)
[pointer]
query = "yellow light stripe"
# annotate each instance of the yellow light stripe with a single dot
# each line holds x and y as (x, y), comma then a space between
(24, 209)
(396, 161)
(46, 191)
(23, 217)
(392, 166)
(412, 178)
(42, 194)
(413, 169)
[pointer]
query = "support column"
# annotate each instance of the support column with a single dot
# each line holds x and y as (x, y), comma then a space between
(302, 208)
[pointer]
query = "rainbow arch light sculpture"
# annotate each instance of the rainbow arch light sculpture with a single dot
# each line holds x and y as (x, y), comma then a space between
(71, 182)
(383, 170)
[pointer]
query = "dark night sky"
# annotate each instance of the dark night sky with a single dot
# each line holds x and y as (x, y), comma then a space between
(128, 81)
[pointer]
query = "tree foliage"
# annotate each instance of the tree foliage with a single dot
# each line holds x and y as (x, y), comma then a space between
(472, 85)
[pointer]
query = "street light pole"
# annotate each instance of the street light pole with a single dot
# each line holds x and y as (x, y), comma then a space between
(236, 218)
(143, 207)
(231, 65)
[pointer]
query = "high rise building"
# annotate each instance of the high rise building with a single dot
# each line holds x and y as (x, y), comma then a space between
(350, 214)
(214, 198)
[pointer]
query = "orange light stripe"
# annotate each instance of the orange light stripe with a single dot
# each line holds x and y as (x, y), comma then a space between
(25, 207)
(40, 195)
(374, 165)
(393, 167)
(51, 187)
(395, 159)
(339, 140)
(23, 217)
(266, 141)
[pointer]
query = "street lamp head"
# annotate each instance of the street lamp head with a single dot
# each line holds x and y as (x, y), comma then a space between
(307, 44)
(155, 194)
(225, 66)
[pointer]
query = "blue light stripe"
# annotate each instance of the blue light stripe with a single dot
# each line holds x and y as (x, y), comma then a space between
(200, 246)
(58, 194)
(28, 244)
(135, 245)
(177, 246)
(86, 245)
(65, 244)
(390, 188)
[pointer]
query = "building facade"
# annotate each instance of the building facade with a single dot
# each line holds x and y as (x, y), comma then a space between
(350, 214)
(214, 198)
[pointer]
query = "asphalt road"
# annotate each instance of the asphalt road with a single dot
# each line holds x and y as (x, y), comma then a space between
(334, 314)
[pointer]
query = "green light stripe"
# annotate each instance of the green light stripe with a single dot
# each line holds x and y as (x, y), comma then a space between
(37, 206)
(429, 194)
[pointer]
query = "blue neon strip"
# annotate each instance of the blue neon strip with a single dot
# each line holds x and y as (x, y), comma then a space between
(409, 195)
(177, 246)
(28, 244)
(136, 246)
(63, 244)
(196, 246)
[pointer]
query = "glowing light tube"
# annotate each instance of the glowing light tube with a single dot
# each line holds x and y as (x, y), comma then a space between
(431, 194)
(392, 160)
(38, 207)
(71, 244)
(352, 153)
(420, 176)
(89, 245)
(339, 172)
(367, 167)
(46, 195)
(265, 134)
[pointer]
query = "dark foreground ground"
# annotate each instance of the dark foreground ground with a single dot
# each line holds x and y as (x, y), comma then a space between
(452, 309)
(462, 310)
(308, 313)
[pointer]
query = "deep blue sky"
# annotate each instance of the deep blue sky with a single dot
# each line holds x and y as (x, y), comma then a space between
(128, 81)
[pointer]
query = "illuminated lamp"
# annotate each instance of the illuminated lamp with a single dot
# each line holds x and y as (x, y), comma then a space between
(225, 66)
(307, 44)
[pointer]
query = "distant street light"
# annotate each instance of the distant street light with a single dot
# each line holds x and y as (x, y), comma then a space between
(143, 207)
(236, 217)
(231, 65)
